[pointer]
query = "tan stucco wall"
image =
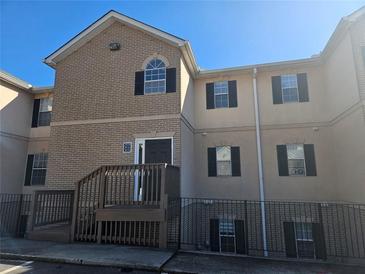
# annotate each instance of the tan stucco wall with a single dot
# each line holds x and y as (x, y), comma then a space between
(341, 88)
(349, 151)
(187, 94)
(242, 115)
(187, 168)
(244, 187)
(15, 118)
(320, 187)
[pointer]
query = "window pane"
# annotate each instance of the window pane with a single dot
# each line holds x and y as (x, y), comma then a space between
(295, 151)
(289, 81)
(221, 101)
(44, 118)
(226, 227)
(46, 104)
(224, 166)
(305, 249)
(290, 95)
(155, 77)
(227, 244)
(38, 177)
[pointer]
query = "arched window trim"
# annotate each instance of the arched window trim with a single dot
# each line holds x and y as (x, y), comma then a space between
(155, 68)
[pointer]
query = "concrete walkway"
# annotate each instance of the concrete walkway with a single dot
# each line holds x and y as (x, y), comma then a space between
(87, 254)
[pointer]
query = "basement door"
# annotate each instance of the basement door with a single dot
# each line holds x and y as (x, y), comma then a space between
(148, 151)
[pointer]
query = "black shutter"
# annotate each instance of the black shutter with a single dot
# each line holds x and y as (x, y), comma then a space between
(290, 241)
(214, 234)
(36, 104)
(310, 160)
(210, 95)
(232, 93)
(319, 241)
(236, 162)
(302, 87)
(212, 161)
(276, 90)
(28, 172)
(239, 226)
(139, 83)
(282, 160)
(171, 80)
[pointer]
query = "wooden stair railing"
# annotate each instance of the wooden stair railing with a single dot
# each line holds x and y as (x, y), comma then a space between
(124, 204)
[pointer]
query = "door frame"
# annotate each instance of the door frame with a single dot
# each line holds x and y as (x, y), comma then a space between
(139, 141)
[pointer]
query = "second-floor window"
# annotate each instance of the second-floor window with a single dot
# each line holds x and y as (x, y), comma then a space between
(42, 112)
(296, 160)
(290, 88)
(224, 161)
(155, 77)
(221, 97)
(221, 94)
(45, 111)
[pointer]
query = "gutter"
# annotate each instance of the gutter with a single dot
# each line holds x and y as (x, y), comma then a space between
(259, 161)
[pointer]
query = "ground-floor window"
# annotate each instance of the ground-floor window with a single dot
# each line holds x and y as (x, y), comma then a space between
(36, 169)
(304, 240)
(227, 235)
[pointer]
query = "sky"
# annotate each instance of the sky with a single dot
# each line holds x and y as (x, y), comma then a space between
(222, 33)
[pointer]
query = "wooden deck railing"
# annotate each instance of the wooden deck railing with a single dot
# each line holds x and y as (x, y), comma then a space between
(124, 204)
(51, 207)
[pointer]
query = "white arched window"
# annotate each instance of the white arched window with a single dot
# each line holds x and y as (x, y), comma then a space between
(155, 77)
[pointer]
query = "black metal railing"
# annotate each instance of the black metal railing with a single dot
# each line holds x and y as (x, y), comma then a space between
(14, 212)
(307, 230)
(52, 207)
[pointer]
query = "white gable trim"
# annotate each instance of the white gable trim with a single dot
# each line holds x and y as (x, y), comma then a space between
(100, 25)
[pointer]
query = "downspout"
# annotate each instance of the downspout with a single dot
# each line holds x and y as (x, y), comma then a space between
(259, 162)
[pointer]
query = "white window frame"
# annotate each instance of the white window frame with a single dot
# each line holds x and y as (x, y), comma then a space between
(38, 168)
(49, 101)
(230, 160)
(303, 240)
(304, 166)
(158, 80)
(225, 235)
(282, 89)
(216, 93)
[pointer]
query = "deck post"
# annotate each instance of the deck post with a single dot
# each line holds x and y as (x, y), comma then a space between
(74, 212)
(101, 200)
(163, 207)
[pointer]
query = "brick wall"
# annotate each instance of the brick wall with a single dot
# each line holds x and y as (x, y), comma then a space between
(95, 83)
(77, 150)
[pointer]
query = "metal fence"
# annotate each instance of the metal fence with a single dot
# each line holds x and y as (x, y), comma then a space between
(14, 213)
(302, 230)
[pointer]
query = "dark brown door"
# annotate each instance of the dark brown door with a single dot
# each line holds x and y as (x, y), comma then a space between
(158, 151)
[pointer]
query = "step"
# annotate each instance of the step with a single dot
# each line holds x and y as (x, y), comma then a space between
(60, 234)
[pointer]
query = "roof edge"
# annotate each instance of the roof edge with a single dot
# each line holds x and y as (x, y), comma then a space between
(15, 81)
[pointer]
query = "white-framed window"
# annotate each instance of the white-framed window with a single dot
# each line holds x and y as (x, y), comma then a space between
(45, 111)
(227, 235)
(304, 240)
(289, 88)
(155, 77)
(296, 160)
(221, 97)
(224, 163)
(39, 169)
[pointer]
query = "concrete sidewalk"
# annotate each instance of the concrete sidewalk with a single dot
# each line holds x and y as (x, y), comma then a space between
(83, 253)
(201, 263)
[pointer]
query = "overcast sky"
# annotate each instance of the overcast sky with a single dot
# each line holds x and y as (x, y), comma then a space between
(222, 33)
